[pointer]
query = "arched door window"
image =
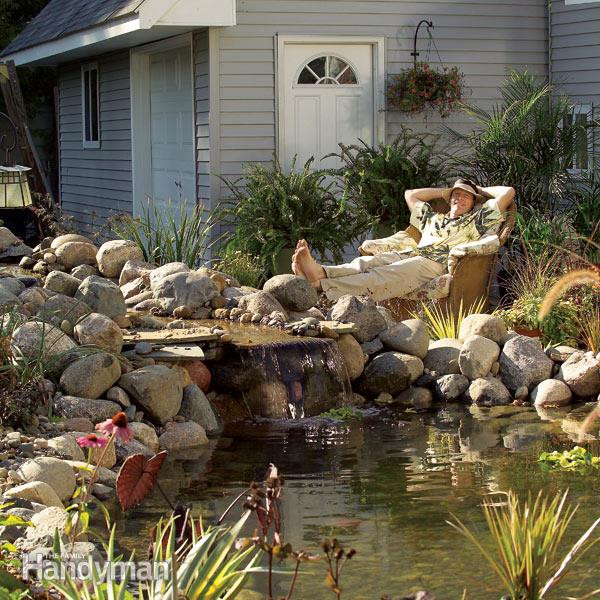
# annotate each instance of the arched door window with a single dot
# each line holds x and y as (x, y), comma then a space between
(327, 70)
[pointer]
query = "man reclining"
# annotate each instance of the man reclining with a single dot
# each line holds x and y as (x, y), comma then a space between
(397, 266)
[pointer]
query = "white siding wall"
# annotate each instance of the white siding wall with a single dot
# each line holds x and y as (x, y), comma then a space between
(201, 98)
(575, 52)
(95, 183)
(483, 37)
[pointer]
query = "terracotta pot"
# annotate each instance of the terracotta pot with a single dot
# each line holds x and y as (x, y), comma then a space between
(528, 332)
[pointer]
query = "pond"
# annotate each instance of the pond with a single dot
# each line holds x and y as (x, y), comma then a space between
(385, 485)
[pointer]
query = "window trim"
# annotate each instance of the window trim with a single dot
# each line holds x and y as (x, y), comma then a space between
(86, 68)
(586, 109)
(326, 55)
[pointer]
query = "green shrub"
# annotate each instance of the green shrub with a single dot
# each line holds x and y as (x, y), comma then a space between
(170, 233)
(540, 231)
(273, 209)
(375, 178)
(586, 200)
(528, 141)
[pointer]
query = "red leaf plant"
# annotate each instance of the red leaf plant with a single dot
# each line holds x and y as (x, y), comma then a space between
(137, 477)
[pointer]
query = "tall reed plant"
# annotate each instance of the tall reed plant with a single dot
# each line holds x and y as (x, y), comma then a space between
(526, 542)
(171, 232)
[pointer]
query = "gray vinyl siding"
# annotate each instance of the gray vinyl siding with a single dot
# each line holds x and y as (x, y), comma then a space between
(575, 52)
(201, 99)
(483, 37)
(96, 183)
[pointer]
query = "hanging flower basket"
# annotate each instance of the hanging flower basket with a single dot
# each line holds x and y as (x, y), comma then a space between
(422, 88)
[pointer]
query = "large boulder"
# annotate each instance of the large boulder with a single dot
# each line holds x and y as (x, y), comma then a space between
(268, 399)
(82, 271)
(7, 239)
(34, 298)
(133, 269)
(36, 339)
(61, 283)
(145, 434)
(184, 289)
(450, 387)
(442, 356)
(262, 303)
(113, 255)
(61, 308)
(292, 292)
(157, 389)
(523, 363)
(102, 296)
(581, 372)
(195, 406)
(12, 285)
(352, 355)
(551, 392)
(55, 472)
(488, 391)
(477, 356)
(88, 408)
(91, 376)
(410, 336)
(8, 300)
(180, 436)
(491, 327)
(73, 254)
(390, 372)
(156, 275)
(199, 373)
(363, 313)
(35, 491)
(98, 330)
(69, 237)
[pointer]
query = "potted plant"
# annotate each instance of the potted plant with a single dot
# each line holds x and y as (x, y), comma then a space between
(423, 87)
(374, 178)
(272, 209)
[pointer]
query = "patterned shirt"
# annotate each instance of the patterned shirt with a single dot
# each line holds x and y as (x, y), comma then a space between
(440, 233)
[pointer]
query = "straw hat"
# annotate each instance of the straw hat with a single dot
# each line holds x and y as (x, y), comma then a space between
(468, 186)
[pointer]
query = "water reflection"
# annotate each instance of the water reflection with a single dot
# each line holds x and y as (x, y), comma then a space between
(387, 485)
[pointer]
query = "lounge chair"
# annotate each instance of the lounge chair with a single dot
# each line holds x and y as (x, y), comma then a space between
(469, 280)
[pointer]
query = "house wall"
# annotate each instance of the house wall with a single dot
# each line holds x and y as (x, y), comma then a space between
(201, 100)
(483, 37)
(575, 52)
(95, 183)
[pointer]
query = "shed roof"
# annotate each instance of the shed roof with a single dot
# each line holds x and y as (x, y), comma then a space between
(62, 17)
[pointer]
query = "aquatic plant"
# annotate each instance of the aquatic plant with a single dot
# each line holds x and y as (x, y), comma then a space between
(344, 413)
(445, 323)
(577, 459)
(526, 539)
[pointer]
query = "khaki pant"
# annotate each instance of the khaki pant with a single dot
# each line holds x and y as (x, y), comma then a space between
(384, 276)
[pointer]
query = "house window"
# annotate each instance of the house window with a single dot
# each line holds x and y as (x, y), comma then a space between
(90, 98)
(582, 114)
(327, 70)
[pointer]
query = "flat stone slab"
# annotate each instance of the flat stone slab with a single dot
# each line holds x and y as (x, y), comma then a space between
(340, 328)
(177, 353)
(171, 336)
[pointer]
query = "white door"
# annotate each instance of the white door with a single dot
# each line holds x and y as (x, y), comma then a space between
(327, 99)
(172, 169)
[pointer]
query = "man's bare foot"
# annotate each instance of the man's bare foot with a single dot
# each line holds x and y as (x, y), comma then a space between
(296, 269)
(311, 269)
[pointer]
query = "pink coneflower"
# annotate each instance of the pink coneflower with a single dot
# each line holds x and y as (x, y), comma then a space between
(119, 425)
(91, 440)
